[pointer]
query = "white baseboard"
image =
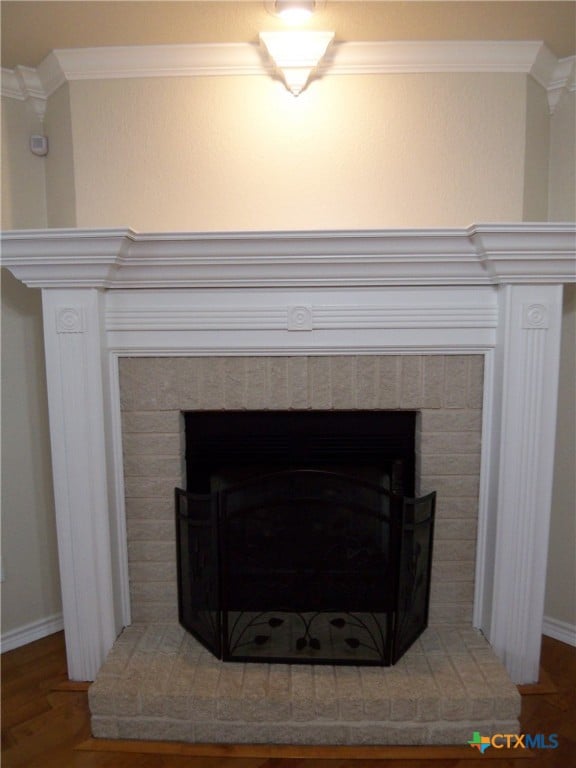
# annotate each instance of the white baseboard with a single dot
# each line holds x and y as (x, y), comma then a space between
(28, 633)
(559, 630)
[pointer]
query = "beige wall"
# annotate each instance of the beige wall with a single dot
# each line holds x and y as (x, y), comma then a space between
(562, 188)
(561, 578)
(23, 201)
(31, 590)
(60, 180)
(242, 153)
(350, 152)
(536, 159)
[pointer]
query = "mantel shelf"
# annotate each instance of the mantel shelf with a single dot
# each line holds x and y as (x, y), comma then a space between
(122, 258)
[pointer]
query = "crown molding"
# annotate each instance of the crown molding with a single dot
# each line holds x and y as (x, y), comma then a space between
(11, 87)
(198, 60)
(121, 258)
(563, 81)
(410, 57)
(345, 58)
(25, 84)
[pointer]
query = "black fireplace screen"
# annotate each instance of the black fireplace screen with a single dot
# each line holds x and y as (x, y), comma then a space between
(304, 566)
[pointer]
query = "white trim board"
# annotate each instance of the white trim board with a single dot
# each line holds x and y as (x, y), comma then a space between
(351, 58)
(28, 633)
(559, 630)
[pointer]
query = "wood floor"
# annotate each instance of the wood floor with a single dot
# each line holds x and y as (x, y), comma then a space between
(45, 724)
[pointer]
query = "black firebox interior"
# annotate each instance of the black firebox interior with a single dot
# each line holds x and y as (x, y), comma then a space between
(299, 538)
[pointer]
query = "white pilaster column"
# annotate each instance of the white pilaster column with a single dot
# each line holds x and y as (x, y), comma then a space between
(528, 364)
(73, 342)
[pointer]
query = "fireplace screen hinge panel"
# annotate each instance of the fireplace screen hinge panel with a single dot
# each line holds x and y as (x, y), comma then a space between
(295, 542)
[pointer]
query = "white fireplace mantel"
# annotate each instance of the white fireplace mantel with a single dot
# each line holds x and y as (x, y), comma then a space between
(121, 258)
(494, 290)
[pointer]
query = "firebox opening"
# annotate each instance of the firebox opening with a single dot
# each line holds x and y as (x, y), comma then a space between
(297, 537)
(224, 447)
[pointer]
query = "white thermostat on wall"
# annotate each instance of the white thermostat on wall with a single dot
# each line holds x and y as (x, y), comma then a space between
(39, 145)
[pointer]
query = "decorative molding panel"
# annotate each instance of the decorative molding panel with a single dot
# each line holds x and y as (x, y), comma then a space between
(529, 350)
(299, 318)
(535, 316)
(345, 58)
(69, 320)
(74, 374)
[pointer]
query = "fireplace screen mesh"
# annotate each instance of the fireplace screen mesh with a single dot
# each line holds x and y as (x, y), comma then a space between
(304, 566)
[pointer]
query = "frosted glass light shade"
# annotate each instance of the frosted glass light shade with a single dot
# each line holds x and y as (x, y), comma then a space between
(296, 54)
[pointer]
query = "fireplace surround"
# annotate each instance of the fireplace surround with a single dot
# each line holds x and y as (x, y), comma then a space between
(489, 290)
(159, 395)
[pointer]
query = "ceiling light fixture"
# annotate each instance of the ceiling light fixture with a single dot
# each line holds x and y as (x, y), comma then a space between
(294, 11)
(296, 55)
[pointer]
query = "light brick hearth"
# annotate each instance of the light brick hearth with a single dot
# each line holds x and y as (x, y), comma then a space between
(159, 683)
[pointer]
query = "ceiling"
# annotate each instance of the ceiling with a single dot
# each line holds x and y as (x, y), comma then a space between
(31, 29)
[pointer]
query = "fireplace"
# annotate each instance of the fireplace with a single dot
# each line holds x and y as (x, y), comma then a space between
(297, 538)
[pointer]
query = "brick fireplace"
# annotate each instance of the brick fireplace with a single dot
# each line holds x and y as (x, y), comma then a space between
(446, 390)
(158, 683)
(262, 312)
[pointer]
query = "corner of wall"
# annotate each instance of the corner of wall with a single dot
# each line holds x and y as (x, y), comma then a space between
(536, 153)
(562, 174)
(60, 175)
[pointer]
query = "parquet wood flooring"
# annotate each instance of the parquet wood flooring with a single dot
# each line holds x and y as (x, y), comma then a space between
(45, 724)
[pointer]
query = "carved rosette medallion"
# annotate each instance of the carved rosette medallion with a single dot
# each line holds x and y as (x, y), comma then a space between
(299, 319)
(535, 316)
(69, 320)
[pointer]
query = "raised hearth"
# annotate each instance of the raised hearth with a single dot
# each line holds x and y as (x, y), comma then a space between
(159, 683)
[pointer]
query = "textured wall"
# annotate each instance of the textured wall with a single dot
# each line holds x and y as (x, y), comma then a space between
(225, 153)
(31, 591)
(537, 154)
(446, 389)
(560, 602)
(562, 182)
(561, 578)
(60, 178)
(23, 174)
